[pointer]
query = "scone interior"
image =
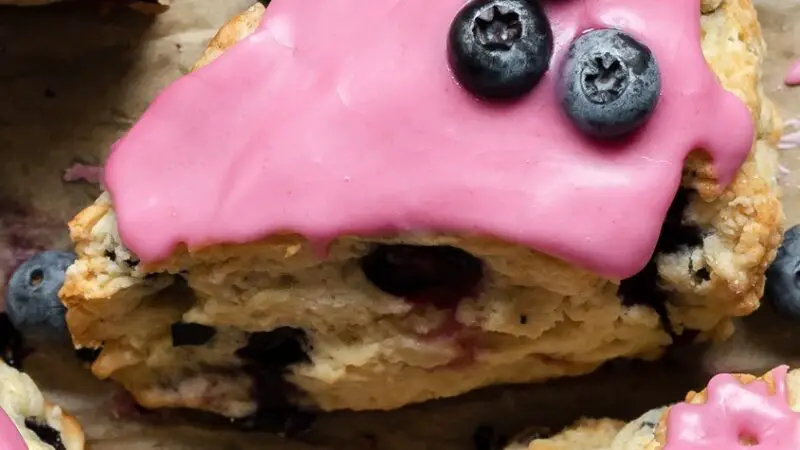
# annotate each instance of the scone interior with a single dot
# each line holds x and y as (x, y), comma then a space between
(43, 426)
(733, 411)
(379, 322)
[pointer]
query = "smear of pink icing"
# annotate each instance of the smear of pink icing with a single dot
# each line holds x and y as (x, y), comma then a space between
(343, 118)
(83, 172)
(10, 438)
(734, 410)
(793, 76)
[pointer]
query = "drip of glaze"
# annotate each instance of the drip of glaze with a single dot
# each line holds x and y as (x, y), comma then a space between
(345, 119)
(736, 416)
(793, 76)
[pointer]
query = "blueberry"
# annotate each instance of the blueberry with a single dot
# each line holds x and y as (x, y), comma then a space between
(500, 49)
(783, 276)
(32, 299)
(87, 354)
(610, 83)
(276, 349)
(45, 432)
(440, 276)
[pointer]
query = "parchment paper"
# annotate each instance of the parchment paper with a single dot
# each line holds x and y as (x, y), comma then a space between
(72, 80)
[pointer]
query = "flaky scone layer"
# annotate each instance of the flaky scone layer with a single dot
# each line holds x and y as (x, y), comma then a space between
(535, 318)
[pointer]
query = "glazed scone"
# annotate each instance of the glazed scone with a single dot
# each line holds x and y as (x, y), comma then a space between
(734, 411)
(44, 426)
(262, 322)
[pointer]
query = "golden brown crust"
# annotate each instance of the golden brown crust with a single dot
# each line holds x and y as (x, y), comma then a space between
(539, 318)
(232, 32)
(71, 432)
(586, 434)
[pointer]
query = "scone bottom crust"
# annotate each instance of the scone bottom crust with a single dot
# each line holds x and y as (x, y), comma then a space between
(432, 252)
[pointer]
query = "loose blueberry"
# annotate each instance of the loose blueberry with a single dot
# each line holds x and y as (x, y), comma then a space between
(32, 299)
(184, 333)
(783, 276)
(436, 275)
(500, 49)
(610, 83)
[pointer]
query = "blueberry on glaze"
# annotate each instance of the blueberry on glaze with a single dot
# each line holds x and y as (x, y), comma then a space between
(783, 276)
(500, 49)
(610, 83)
(191, 334)
(32, 295)
(435, 275)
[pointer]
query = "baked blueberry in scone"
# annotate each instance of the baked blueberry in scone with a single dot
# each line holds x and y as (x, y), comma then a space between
(733, 411)
(42, 425)
(363, 205)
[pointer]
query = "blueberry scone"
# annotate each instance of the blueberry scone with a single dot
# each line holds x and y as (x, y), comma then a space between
(363, 205)
(734, 411)
(42, 425)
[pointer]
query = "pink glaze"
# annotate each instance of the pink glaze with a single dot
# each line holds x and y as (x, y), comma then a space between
(343, 118)
(82, 172)
(10, 438)
(793, 77)
(734, 410)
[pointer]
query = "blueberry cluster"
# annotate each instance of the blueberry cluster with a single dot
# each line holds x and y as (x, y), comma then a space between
(608, 84)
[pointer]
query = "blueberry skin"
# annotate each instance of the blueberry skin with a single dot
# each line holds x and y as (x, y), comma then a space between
(783, 276)
(32, 301)
(609, 84)
(500, 49)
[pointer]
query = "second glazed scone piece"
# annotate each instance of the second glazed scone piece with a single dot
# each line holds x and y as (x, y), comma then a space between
(264, 322)
(43, 426)
(734, 411)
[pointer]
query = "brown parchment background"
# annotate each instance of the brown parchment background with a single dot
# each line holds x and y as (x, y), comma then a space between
(72, 80)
